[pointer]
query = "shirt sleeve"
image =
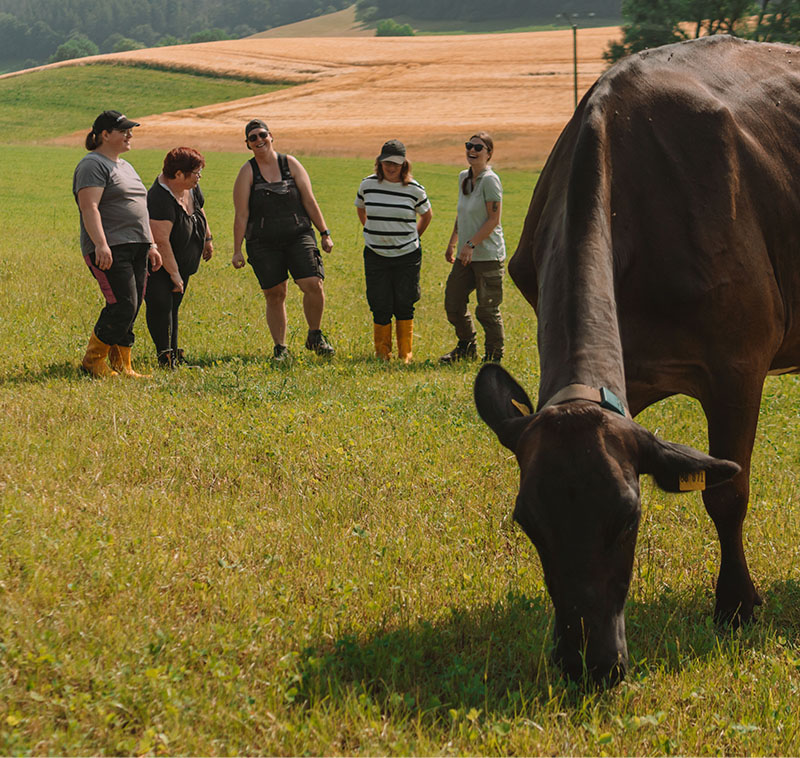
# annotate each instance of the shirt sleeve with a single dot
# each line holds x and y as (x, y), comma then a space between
(91, 173)
(492, 188)
(160, 206)
(423, 205)
(359, 201)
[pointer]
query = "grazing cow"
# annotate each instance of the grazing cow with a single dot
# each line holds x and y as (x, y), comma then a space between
(661, 252)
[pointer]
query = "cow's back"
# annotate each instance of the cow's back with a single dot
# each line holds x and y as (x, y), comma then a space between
(685, 161)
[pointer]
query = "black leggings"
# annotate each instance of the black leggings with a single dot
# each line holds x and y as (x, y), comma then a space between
(162, 310)
(123, 286)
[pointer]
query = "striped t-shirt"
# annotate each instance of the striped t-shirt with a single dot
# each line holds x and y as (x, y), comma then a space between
(392, 208)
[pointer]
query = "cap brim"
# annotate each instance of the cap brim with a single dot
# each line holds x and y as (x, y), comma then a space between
(392, 159)
(128, 124)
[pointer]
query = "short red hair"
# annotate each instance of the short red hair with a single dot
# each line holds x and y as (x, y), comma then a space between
(185, 159)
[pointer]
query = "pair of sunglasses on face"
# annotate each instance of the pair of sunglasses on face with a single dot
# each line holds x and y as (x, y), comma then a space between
(256, 136)
(474, 146)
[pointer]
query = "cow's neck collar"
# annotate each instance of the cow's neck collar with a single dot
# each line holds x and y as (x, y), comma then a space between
(604, 397)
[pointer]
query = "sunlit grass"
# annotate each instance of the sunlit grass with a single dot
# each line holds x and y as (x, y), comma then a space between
(41, 104)
(320, 558)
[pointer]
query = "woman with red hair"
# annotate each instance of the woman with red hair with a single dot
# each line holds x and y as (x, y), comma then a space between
(180, 228)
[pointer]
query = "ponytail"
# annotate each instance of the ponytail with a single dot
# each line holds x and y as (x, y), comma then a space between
(92, 141)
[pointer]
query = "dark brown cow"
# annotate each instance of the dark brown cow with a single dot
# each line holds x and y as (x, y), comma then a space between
(661, 252)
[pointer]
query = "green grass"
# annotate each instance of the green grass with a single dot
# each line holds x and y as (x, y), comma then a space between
(320, 558)
(499, 26)
(76, 94)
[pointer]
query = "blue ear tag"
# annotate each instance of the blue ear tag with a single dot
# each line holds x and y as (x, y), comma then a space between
(610, 401)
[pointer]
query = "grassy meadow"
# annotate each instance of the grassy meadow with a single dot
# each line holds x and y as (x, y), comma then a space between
(320, 558)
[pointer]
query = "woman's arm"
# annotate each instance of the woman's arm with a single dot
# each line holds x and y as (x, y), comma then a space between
(362, 215)
(493, 210)
(161, 231)
(241, 206)
(450, 253)
(89, 203)
(424, 221)
(303, 183)
(208, 248)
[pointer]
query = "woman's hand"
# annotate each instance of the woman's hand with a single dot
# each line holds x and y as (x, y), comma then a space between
(154, 257)
(326, 242)
(177, 282)
(208, 250)
(466, 255)
(102, 257)
(238, 259)
(450, 254)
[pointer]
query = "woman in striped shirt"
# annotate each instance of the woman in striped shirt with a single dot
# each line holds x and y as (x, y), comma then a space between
(394, 211)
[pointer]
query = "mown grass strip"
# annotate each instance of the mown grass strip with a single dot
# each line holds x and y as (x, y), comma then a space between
(41, 104)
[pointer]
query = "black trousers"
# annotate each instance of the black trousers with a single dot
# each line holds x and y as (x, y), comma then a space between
(162, 310)
(392, 285)
(123, 286)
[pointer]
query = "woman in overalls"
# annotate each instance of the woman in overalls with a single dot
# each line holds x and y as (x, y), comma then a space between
(275, 209)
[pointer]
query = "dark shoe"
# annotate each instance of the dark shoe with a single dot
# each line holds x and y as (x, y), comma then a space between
(166, 359)
(316, 341)
(281, 354)
(464, 349)
(492, 356)
(180, 360)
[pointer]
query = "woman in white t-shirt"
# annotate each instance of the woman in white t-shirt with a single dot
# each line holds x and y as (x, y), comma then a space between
(477, 251)
(394, 210)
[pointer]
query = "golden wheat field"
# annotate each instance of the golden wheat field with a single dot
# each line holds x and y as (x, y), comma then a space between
(352, 93)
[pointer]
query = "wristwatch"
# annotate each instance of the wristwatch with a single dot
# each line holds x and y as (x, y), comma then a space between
(471, 244)
(325, 233)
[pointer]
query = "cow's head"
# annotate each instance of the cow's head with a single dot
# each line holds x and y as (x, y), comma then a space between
(579, 503)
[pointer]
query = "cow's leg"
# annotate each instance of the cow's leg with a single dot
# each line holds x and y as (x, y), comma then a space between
(732, 425)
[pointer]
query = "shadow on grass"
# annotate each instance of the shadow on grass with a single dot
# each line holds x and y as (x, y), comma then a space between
(496, 658)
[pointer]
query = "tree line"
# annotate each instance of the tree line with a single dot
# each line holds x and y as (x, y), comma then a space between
(37, 31)
(535, 11)
(650, 24)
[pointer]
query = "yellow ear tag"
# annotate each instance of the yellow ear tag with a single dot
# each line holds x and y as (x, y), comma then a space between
(521, 407)
(690, 482)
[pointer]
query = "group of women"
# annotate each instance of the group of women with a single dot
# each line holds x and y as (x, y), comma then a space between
(145, 245)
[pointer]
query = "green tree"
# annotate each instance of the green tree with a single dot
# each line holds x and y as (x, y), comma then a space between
(78, 46)
(390, 28)
(650, 23)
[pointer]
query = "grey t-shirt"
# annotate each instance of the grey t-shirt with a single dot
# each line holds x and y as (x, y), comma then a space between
(472, 215)
(123, 206)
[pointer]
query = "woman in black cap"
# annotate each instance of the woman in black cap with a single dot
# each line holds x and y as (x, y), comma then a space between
(275, 209)
(115, 240)
(388, 203)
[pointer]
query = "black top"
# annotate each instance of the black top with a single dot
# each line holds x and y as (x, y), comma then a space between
(276, 209)
(188, 234)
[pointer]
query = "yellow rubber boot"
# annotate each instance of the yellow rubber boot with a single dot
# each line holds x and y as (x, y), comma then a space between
(120, 359)
(405, 339)
(94, 362)
(382, 334)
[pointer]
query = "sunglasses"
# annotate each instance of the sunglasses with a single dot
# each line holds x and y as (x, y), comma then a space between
(256, 136)
(474, 146)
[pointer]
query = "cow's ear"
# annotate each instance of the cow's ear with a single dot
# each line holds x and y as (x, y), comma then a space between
(502, 404)
(680, 468)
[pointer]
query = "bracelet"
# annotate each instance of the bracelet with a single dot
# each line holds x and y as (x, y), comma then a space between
(325, 233)
(209, 238)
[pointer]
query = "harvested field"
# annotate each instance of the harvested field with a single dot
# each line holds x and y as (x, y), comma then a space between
(352, 93)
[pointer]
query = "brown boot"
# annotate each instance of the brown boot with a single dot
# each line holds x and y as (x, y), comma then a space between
(382, 335)
(405, 338)
(119, 357)
(94, 362)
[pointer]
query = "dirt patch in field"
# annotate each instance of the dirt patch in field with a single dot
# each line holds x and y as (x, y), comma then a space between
(430, 92)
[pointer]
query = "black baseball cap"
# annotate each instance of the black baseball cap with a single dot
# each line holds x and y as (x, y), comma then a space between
(256, 123)
(394, 151)
(108, 121)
